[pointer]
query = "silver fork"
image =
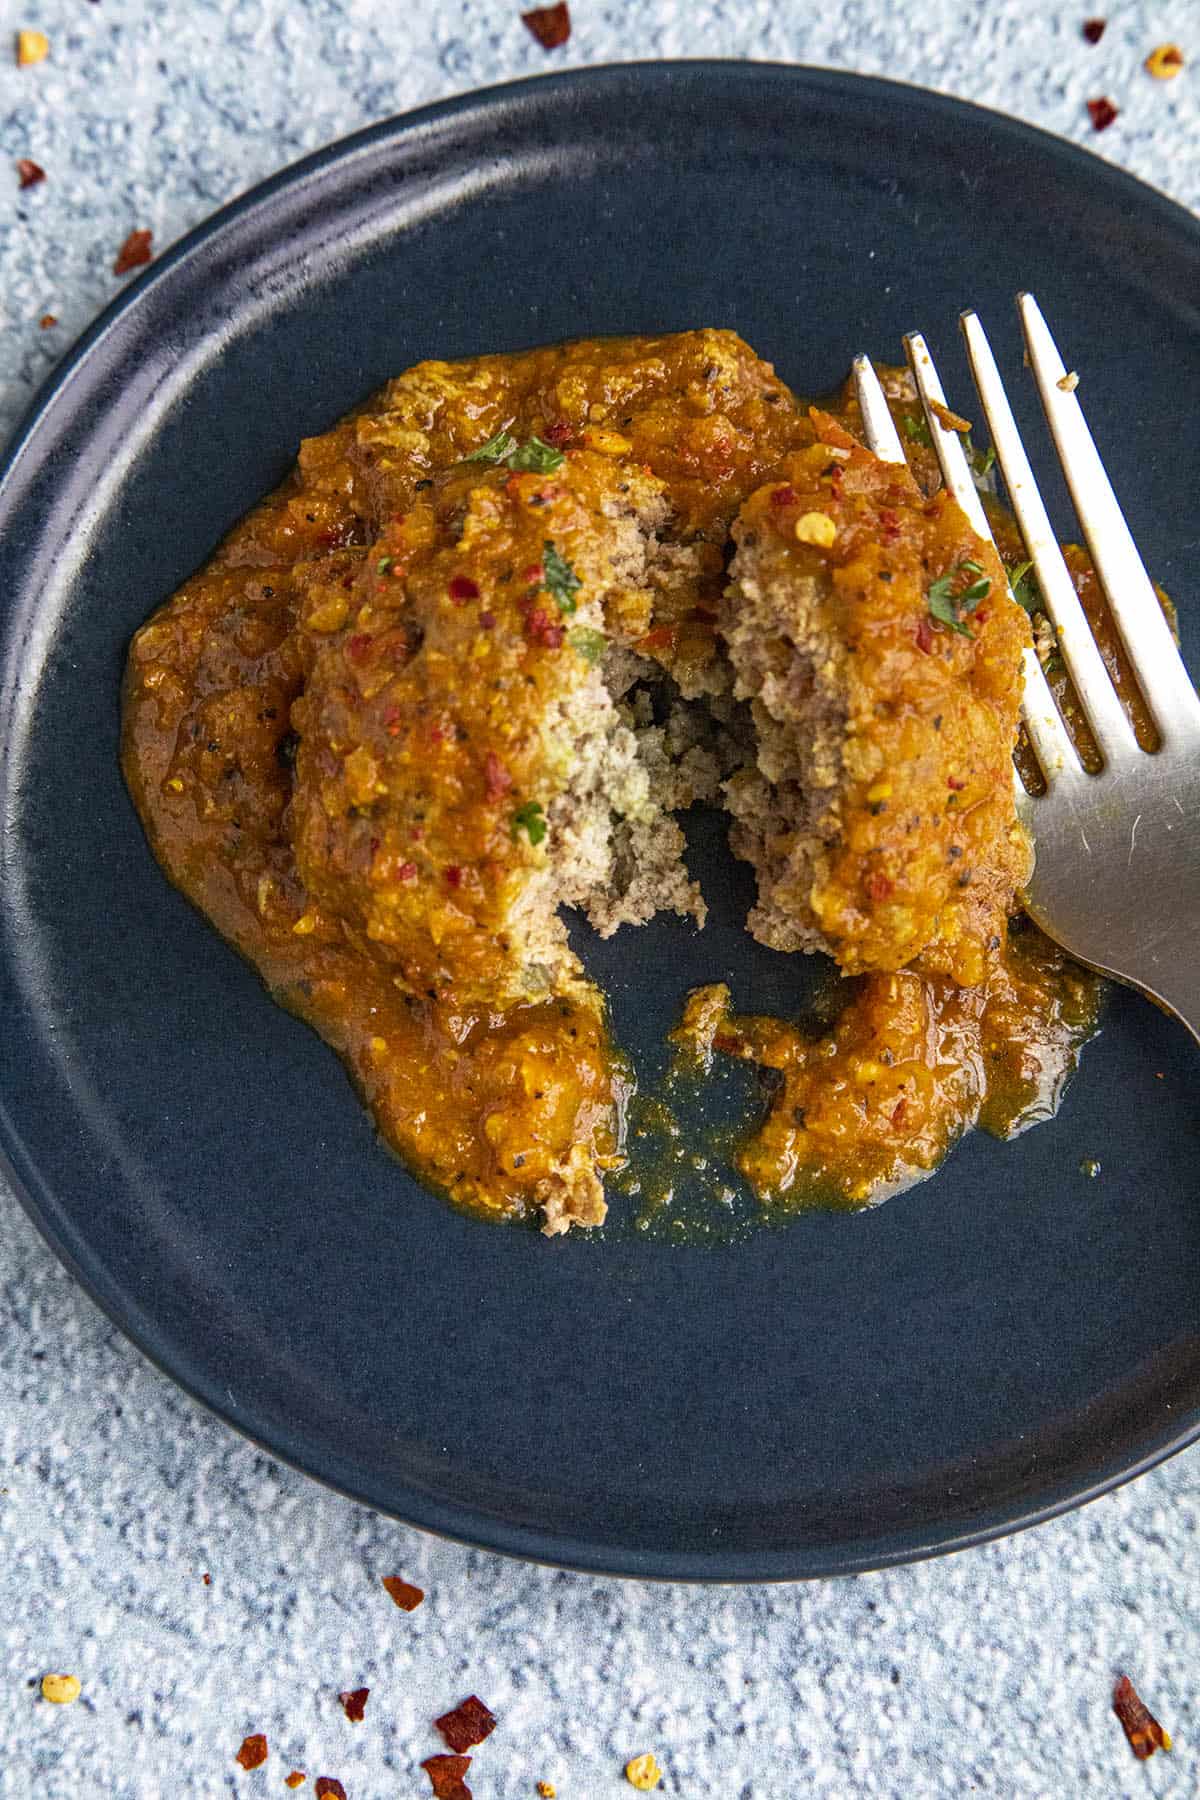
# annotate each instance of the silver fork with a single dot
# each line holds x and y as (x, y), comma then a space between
(1116, 879)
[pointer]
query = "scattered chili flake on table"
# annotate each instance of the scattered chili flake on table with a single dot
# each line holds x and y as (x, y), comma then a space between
(446, 1776)
(206, 1578)
(328, 1788)
(133, 252)
(61, 1690)
(354, 1704)
(406, 1596)
(1102, 112)
(32, 47)
(253, 1753)
(48, 321)
(296, 1779)
(643, 1773)
(1143, 1730)
(29, 173)
(1093, 29)
(1164, 62)
(550, 25)
(468, 1724)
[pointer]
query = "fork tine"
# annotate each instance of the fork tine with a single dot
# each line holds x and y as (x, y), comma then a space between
(1051, 741)
(1105, 714)
(879, 428)
(952, 458)
(1144, 631)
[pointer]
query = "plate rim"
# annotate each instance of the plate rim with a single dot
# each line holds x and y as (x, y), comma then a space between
(440, 1517)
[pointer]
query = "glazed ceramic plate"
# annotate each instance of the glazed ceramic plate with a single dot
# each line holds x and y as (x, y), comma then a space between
(854, 1390)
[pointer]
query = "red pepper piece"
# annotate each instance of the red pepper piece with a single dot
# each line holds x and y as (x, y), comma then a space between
(467, 1725)
(446, 1776)
(1143, 1730)
(550, 25)
(133, 252)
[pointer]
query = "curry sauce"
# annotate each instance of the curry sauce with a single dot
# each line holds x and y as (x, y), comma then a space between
(281, 711)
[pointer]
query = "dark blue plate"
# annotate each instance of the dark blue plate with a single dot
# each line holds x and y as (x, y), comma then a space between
(1002, 1342)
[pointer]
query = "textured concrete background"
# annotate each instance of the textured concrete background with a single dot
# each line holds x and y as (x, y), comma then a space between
(987, 1673)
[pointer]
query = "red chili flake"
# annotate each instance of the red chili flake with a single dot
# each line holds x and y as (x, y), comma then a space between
(354, 1704)
(446, 1776)
(463, 588)
(890, 525)
(540, 628)
(437, 734)
(453, 876)
(358, 645)
(392, 720)
(30, 173)
(48, 321)
(1093, 29)
(1103, 112)
(550, 25)
(496, 778)
(1143, 1730)
(535, 574)
(661, 638)
(467, 1725)
(406, 1596)
(899, 1110)
(296, 1779)
(784, 496)
(728, 1046)
(133, 252)
(955, 782)
(206, 1579)
(253, 1753)
(925, 636)
(559, 434)
(879, 886)
(406, 872)
(328, 1788)
(487, 620)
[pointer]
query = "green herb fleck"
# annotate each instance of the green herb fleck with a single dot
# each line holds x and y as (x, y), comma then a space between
(561, 579)
(587, 643)
(497, 449)
(1025, 589)
(538, 457)
(384, 564)
(981, 461)
(916, 430)
(950, 607)
(530, 819)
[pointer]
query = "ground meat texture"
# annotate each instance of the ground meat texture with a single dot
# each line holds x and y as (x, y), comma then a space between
(880, 815)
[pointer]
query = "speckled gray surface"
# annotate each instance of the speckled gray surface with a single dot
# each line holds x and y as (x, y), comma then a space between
(987, 1673)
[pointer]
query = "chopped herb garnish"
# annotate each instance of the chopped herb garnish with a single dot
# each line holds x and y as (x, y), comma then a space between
(497, 449)
(916, 430)
(560, 578)
(1025, 589)
(384, 564)
(535, 455)
(981, 461)
(530, 819)
(950, 607)
(587, 643)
